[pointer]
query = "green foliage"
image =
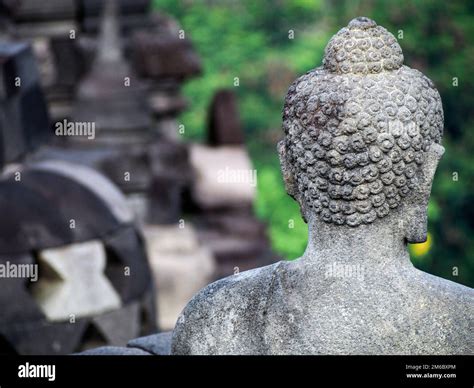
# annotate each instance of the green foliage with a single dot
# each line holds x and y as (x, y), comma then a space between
(250, 39)
(288, 232)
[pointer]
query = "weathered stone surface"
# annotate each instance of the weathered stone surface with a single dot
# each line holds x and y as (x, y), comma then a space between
(293, 308)
(159, 344)
(114, 351)
(180, 267)
(362, 142)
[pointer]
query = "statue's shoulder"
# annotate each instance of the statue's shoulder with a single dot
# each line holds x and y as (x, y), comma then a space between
(445, 290)
(449, 307)
(219, 318)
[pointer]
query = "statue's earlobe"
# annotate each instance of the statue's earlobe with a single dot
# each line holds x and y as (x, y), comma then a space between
(288, 178)
(286, 170)
(416, 210)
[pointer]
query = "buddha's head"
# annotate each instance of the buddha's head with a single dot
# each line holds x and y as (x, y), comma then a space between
(362, 135)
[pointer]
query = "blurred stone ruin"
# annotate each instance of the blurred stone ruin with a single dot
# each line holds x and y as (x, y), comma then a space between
(223, 192)
(125, 221)
(74, 266)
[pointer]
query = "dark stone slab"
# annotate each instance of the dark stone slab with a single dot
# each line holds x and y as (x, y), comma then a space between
(34, 117)
(132, 14)
(236, 239)
(170, 157)
(24, 307)
(148, 313)
(24, 121)
(171, 174)
(132, 159)
(165, 200)
(120, 325)
(224, 120)
(43, 338)
(69, 61)
(240, 224)
(8, 7)
(90, 8)
(112, 161)
(12, 139)
(100, 186)
(37, 211)
(159, 344)
(126, 252)
(167, 104)
(119, 113)
(34, 10)
(6, 348)
(160, 52)
(233, 253)
(164, 57)
(16, 60)
(128, 23)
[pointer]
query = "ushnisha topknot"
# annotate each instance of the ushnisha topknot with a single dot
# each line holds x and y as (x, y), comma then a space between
(362, 48)
(357, 128)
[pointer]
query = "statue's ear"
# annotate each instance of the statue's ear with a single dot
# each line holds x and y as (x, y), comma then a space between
(288, 178)
(433, 156)
(286, 170)
(417, 209)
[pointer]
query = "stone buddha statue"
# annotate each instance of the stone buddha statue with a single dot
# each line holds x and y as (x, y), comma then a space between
(361, 144)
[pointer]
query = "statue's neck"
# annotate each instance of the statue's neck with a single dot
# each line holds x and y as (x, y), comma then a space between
(376, 244)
